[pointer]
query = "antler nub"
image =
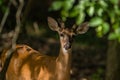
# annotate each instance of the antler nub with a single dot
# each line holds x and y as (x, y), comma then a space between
(61, 23)
(74, 27)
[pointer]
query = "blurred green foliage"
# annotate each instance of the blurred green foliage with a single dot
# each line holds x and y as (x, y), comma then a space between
(97, 74)
(103, 14)
(1, 1)
(2, 6)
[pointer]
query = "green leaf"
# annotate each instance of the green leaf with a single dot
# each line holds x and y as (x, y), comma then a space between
(87, 3)
(112, 15)
(100, 11)
(95, 21)
(106, 27)
(119, 39)
(64, 13)
(117, 31)
(56, 5)
(103, 3)
(114, 1)
(112, 36)
(80, 18)
(90, 11)
(116, 9)
(64, 18)
(81, 5)
(99, 31)
(115, 25)
(67, 5)
(74, 13)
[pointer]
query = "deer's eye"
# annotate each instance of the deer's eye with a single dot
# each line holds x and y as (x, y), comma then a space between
(73, 36)
(61, 35)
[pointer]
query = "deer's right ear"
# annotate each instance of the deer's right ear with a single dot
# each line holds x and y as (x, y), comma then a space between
(83, 28)
(52, 23)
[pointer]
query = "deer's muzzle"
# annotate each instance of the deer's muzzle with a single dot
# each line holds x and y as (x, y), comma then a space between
(67, 46)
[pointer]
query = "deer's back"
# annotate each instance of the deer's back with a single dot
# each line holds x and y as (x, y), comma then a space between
(28, 64)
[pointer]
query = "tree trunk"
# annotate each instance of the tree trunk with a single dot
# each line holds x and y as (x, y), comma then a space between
(113, 61)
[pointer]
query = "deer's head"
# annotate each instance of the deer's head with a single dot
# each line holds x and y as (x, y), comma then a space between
(66, 34)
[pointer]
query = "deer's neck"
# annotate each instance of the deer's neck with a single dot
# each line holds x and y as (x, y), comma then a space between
(63, 64)
(64, 57)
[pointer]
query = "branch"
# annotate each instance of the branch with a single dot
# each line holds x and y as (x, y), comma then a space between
(14, 39)
(5, 16)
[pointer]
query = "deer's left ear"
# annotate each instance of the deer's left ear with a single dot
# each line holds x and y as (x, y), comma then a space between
(52, 23)
(83, 28)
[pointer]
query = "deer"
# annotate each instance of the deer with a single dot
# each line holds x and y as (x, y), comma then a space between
(29, 64)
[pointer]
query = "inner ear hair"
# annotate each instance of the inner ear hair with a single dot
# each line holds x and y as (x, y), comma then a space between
(83, 28)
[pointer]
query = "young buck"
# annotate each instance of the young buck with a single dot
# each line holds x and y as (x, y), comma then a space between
(28, 64)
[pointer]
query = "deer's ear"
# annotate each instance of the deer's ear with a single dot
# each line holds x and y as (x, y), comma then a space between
(82, 28)
(52, 23)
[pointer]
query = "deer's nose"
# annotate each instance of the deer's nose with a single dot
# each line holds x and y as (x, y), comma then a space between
(67, 45)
